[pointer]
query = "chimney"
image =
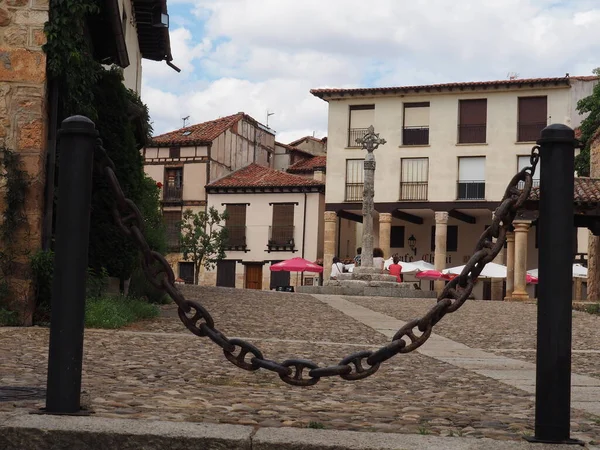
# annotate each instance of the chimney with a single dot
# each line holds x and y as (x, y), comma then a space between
(320, 174)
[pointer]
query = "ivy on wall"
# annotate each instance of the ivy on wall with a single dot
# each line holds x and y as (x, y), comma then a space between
(15, 183)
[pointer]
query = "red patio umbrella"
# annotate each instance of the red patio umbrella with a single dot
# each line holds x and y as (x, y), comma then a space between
(430, 275)
(531, 279)
(296, 265)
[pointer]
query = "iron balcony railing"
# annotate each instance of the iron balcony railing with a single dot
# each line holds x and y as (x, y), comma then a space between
(529, 132)
(415, 136)
(281, 235)
(354, 192)
(521, 185)
(354, 134)
(172, 193)
(236, 236)
(471, 190)
(472, 134)
(413, 190)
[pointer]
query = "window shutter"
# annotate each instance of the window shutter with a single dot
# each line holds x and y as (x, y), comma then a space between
(473, 112)
(471, 169)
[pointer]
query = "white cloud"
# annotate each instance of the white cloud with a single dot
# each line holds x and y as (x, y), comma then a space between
(255, 56)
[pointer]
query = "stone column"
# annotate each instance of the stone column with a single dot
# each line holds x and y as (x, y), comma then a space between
(498, 282)
(330, 239)
(366, 259)
(578, 289)
(520, 288)
(441, 234)
(593, 280)
(385, 231)
(510, 264)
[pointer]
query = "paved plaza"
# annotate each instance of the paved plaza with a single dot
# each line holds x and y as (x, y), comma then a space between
(472, 379)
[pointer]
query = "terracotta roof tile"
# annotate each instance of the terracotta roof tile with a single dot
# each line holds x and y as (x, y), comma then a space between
(308, 165)
(199, 134)
(292, 148)
(461, 85)
(586, 191)
(260, 176)
(311, 138)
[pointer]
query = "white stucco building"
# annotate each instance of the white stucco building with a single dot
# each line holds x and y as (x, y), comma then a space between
(451, 150)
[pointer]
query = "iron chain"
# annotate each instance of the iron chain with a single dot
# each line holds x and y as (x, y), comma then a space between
(300, 372)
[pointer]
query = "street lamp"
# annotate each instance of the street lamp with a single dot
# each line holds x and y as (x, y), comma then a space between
(412, 243)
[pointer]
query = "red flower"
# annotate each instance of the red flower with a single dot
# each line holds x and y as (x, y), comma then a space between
(159, 184)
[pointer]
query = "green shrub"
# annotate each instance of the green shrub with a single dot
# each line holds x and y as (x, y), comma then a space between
(42, 266)
(593, 308)
(96, 283)
(117, 311)
(8, 318)
(140, 287)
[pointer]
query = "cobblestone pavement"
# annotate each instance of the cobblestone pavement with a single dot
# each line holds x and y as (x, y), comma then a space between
(158, 370)
(487, 324)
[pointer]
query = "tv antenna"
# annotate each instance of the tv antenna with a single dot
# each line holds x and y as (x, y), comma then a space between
(185, 119)
(512, 75)
(269, 114)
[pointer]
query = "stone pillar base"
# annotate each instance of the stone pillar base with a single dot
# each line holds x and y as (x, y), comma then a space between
(518, 297)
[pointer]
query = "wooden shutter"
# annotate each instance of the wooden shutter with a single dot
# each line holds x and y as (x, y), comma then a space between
(472, 119)
(533, 109)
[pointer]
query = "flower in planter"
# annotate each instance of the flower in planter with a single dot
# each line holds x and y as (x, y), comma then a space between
(159, 185)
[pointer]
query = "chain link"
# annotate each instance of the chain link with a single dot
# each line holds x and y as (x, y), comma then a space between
(300, 372)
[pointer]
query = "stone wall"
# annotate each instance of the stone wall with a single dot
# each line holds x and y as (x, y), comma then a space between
(593, 282)
(23, 122)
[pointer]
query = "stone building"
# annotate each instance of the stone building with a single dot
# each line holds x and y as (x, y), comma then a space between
(451, 149)
(124, 33)
(184, 161)
(273, 216)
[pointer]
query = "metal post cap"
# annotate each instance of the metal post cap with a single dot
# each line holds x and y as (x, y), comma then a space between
(78, 125)
(557, 132)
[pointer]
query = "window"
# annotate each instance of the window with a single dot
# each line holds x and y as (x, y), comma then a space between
(471, 178)
(354, 180)
(174, 152)
(533, 117)
(173, 188)
(451, 238)
(472, 121)
(361, 118)
(236, 225)
(397, 237)
(414, 176)
(171, 219)
(282, 228)
(415, 129)
(524, 161)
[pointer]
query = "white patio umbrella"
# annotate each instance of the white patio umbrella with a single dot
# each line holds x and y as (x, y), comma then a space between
(416, 266)
(578, 271)
(491, 270)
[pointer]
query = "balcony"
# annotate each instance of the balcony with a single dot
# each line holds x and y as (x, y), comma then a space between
(472, 134)
(354, 192)
(415, 136)
(413, 190)
(521, 184)
(236, 237)
(471, 190)
(354, 134)
(529, 132)
(281, 238)
(172, 193)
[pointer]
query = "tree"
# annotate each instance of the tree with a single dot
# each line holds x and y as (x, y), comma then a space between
(203, 238)
(588, 127)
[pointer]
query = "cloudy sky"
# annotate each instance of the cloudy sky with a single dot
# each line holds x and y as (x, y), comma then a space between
(259, 55)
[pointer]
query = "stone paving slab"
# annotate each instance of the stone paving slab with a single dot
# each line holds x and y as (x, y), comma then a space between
(40, 432)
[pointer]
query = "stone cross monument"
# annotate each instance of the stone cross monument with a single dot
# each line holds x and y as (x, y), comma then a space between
(369, 142)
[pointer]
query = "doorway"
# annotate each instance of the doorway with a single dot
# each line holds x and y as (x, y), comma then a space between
(226, 273)
(186, 272)
(254, 276)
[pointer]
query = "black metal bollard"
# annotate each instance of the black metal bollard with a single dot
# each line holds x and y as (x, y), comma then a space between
(77, 142)
(553, 369)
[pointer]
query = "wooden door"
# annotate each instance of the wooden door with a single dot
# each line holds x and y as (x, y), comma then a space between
(226, 273)
(253, 276)
(186, 272)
